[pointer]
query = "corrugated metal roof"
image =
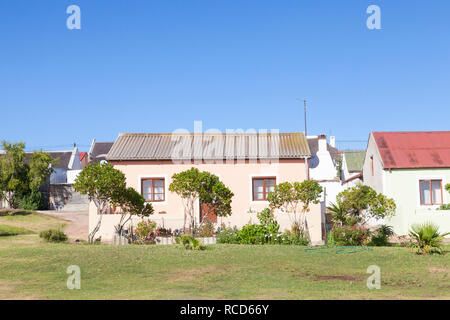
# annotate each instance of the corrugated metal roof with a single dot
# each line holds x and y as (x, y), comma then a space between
(209, 146)
(355, 160)
(401, 150)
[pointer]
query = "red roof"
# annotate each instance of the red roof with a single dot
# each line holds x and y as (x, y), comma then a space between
(82, 155)
(402, 150)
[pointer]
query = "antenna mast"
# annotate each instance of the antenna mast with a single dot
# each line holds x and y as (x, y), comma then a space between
(304, 112)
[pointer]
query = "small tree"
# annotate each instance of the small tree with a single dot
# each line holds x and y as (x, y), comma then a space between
(13, 173)
(131, 203)
(186, 184)
(41, 167)
(362, 203)
(215, 194)
(192, 185)
(104, 185)
(295, 198)
(447, 187)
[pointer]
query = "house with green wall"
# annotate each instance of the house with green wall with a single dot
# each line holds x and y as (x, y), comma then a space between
(413, 168)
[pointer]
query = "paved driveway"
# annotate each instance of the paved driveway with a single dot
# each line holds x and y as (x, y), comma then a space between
(78, 222)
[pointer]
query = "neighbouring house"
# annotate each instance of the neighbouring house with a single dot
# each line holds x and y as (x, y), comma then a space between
(324, 167)
(58, 189)
(413, 169)
(352, 167)
(67, 168)
(98, 151)
(249, 164)
(84, 159)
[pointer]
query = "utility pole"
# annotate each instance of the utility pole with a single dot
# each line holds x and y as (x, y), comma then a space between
(304, 112)
(306, 137)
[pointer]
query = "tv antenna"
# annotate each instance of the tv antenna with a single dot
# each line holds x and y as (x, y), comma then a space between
(304, 111)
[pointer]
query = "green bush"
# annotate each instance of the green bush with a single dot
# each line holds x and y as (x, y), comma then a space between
(350, 236)
(254, 234)
(427, 239)
(189, 242)
(228, 235)
(206, 230)
(145, 232)
(381, 236)
(445, 207)
(33, 201)
(53, 235)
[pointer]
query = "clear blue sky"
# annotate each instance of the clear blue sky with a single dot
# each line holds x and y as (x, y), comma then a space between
(155, 66)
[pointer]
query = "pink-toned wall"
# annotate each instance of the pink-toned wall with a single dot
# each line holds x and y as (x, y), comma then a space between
(237, 176)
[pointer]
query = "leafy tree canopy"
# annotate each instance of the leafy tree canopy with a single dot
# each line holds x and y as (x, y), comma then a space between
(41, 167)
(362, 202)
(292, 196)
(131, 203)
(205, 186)
(103, 184)
(13, 172)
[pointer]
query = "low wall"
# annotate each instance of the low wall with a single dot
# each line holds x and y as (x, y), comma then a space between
(109, 221)
(59, 195)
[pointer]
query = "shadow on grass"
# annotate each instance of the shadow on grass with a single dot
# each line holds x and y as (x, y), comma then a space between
(14, 212)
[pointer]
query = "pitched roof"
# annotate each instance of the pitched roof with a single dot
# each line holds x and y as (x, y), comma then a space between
(355, 160)
(82, 155)
(313, 144)
(99, 150)
(183, 146)
(62, 156)
(401, 150)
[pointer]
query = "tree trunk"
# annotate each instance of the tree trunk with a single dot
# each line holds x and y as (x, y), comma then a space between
(95, 230)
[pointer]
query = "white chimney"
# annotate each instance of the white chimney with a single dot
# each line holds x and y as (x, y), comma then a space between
(333, 141)
(322, 140)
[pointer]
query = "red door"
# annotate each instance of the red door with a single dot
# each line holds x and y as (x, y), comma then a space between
(205, 210)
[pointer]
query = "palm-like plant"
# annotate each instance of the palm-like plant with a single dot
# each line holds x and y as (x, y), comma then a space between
(338, 214)
(427, 237)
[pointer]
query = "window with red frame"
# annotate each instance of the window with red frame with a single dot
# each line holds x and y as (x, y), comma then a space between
(153, 189)
(430, 192)
(262, 187)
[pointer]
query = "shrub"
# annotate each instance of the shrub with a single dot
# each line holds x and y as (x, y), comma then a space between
(53, 235)
(189, 242)
(254, 234)
(381, 236)
(163, 232)
(445, 207)
(145, 232)
(206, 230)
(33, 201)
(350, 236)
(228, 235)
(427, 239)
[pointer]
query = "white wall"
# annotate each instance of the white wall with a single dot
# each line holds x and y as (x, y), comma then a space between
(374, 181)
(72, 175)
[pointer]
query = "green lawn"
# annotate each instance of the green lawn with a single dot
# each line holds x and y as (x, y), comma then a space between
(33, 269)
